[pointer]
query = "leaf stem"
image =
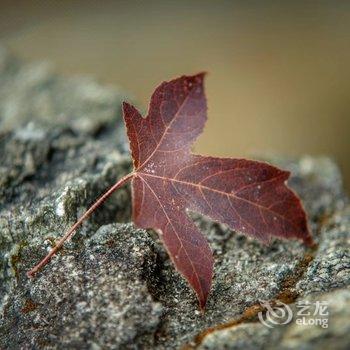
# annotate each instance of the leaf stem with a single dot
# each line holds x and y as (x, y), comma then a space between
(73, 228)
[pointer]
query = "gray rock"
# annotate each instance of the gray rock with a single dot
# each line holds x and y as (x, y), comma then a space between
(305, 333)
(87, 300)
(248, 336)
(113, 286)
(331, 267)
(51, 169)
(34, 92)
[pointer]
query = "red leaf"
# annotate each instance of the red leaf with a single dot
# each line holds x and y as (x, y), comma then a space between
(248, 196)
(168, 179)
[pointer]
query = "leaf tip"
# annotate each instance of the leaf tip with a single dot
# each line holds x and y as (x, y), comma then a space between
(204, 292)
(126, 107)
(202, 304)
(201, 74)
(198, 78)
(309, 241)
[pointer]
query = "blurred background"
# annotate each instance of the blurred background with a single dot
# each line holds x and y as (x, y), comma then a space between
(279, 72)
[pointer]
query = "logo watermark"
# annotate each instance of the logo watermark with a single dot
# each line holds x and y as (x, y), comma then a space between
(307, 313)
(278, 314)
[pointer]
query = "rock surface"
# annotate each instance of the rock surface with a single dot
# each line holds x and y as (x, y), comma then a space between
(113, 286)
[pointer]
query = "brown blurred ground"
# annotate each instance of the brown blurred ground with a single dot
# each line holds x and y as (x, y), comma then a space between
(279, 74)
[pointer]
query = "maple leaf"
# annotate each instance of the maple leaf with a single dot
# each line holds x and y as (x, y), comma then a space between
(168, 180)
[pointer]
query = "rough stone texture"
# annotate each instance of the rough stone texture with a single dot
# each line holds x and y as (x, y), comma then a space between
(93, 297)
(291, 336)
(34, 92)
(113, 286)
